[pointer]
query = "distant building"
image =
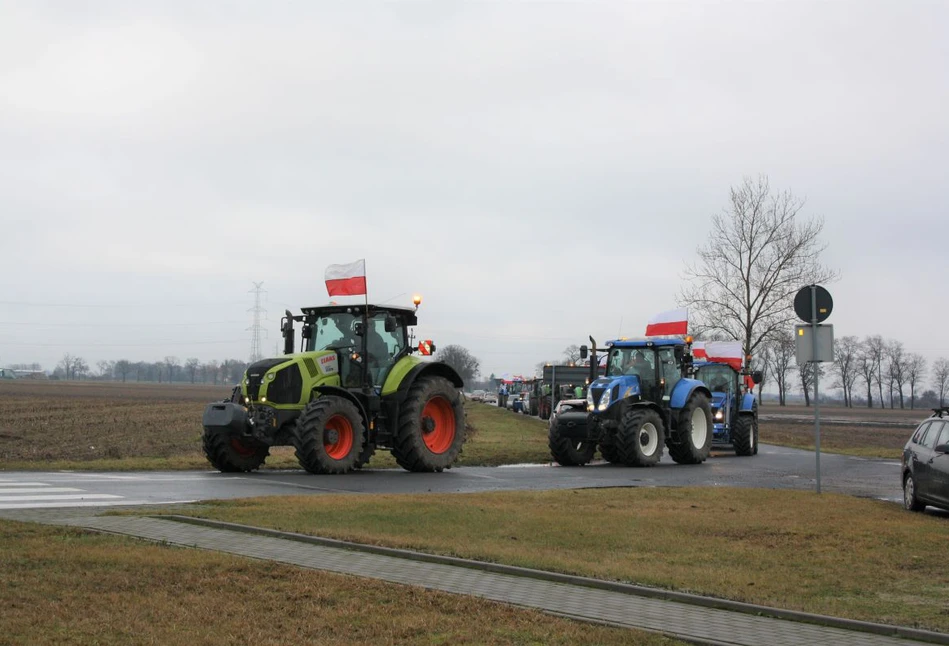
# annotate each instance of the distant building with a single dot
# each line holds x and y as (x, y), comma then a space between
(7, 373)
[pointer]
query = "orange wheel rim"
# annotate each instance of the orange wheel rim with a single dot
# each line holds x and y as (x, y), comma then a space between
(338, 437)
(241, 448)
(439, 433)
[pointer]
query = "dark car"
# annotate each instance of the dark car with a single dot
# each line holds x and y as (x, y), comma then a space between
(926, 464)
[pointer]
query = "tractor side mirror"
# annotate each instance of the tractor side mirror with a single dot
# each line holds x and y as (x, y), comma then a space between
(584, 352)
(391, 324)
(307, 331)
(286, 328)
(757, 377)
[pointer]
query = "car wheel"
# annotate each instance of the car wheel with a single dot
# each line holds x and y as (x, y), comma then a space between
(910, 501)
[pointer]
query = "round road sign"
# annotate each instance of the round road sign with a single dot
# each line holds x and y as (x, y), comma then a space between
(803, 304)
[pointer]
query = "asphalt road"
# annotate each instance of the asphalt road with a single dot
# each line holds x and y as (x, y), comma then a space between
(774, 467)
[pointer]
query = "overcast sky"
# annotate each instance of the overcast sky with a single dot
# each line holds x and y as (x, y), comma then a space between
(538, 171)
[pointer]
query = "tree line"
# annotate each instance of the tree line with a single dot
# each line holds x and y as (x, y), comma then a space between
(168, 370)
(870, 372)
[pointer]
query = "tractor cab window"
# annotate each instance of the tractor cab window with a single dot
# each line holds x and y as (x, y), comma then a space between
(334, 332)
(383, 345)
(668, 367)
(719, 378)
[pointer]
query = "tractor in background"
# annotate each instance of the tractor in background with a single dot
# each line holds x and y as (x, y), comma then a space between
(734, 406)
(646, 399)
(354, 386)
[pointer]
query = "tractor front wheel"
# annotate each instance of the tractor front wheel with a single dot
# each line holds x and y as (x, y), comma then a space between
(567, 451)
(431, 426)
(744, 435)
(640, 438)
(692, 439)
(229, 454)
(329, 436)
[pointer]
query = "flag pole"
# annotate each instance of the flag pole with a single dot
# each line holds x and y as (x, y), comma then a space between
(366, 278)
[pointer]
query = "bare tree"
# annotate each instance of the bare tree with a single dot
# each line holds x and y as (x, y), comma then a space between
(781, 354)
(66, 364)
(805, 372)
(572, 353)
(941, 379)
(191, 365)
(122, 368)
(866, 368)
(79, 367)
(846, 350)
(173, 364)
(756, 259)
(106, 368)
(464, 363)
(896, 369)
(915, 373)
(876, 348)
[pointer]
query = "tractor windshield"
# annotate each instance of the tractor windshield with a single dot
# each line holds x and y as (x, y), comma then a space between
(718, 377)
(631, 361)
(333, 332)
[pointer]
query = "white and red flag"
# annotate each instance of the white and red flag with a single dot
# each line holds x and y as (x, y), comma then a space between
(725, 352)
(671, 322)
(698, 351)
(346, 280)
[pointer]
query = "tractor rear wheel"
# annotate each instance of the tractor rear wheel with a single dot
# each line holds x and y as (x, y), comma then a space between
(568, 451)
(329, 436)
(691, 441)
(229, 454)
(743, 435)
(640, 438)
(431, 426)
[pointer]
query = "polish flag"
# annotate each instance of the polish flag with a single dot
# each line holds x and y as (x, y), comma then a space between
(725, 352)
(671, 322)
(698, 351)
(346, 280)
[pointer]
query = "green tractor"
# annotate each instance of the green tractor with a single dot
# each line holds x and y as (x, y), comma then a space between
(354, 386)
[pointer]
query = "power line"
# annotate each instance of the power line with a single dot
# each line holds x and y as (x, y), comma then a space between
(121, 325)
(114, 305)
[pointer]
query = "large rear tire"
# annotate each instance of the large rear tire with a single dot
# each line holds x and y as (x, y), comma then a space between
(431, 429)
(691, 441)
(640, 438)
(229, 454)
(567, 451)
(329, 436)
(744, 435)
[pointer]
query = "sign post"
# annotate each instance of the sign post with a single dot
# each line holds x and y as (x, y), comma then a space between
(813, 304)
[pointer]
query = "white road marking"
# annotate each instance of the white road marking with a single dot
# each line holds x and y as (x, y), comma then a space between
(48, 505)
(45, 489)
(71, 496)
(10, 483)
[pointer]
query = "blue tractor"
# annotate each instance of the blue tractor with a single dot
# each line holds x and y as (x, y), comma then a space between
(734, 407)
(646, 400)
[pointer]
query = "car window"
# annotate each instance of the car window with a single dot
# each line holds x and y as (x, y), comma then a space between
(920, 432)
(929, 439)
(943, 436)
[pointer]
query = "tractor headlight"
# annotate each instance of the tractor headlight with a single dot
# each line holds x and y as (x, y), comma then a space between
(719, 415)
(589, 399)
(605, 399)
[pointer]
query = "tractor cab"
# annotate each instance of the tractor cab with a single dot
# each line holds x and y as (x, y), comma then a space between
(367, 343)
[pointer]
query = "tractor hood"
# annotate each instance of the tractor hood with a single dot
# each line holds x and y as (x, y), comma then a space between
(279, 380)
(606, 391)
(718, 400)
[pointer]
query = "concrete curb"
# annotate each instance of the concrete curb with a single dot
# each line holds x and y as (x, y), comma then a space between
(625, 588)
